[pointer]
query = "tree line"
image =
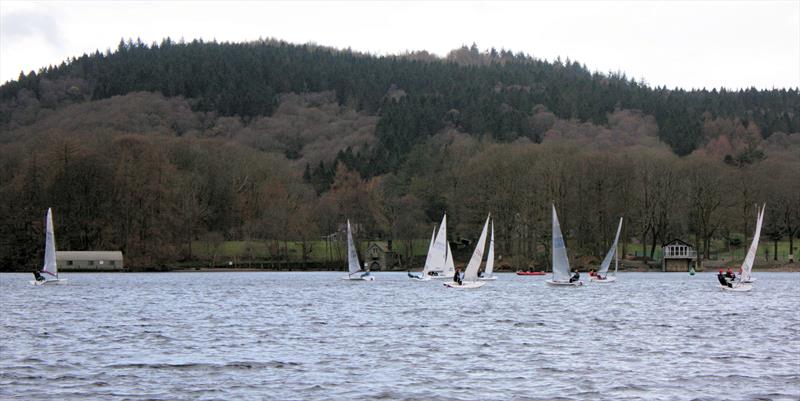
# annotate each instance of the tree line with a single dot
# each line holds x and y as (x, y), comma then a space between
(151, 148)
(119, 176)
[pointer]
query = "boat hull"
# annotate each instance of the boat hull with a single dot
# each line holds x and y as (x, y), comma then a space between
(609, 279)
(59, 281)
(419, 278)
(736, 288)
(750, 280)
(358, 278)
(531, 273)
(490, 278)
(465, 284)
(564, 283)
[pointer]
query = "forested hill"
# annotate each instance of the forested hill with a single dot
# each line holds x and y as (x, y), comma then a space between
(492, 93)
(165, 152)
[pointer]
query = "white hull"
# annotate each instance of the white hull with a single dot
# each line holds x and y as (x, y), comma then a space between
(491, 278)
(420, 278)
(564, 283)
(609, 279)
(464, 284)
(58, 281)
(750, 280)
(442, 277)
(736, 288)
(359, 278)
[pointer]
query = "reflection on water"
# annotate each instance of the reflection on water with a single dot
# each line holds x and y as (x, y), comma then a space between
(313, 336)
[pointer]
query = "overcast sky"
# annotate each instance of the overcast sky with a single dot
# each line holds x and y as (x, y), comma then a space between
(685, 44)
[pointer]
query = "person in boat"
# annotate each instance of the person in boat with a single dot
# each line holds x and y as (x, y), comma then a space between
(592, 273)
(37, 276)
(575, 277)
(457, 276)
(597, 276)
(722, 280)
(730, 274)
(480, 273)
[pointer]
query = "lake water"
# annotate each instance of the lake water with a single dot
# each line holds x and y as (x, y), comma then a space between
(312, 336)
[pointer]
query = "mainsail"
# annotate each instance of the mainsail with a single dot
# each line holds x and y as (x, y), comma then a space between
(471, 273)
(429, 258)
(449, 265)
(438, 252)
(352, 256)
(490, 255)
(747, 265)
(50, 247)
(611, 252)
(560, 260)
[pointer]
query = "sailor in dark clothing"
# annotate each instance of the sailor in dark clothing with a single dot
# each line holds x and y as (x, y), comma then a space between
(457, 276)
(722, 280)
(730, 274)
(575, 277)
(37, 276)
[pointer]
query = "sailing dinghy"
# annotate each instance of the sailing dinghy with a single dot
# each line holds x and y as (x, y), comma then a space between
(50, 269)
(487, 273)
(603, 272)
(470, 279)
(561, 274)
(354, 268)
(440, 255)
(745, 280)
(424, 276)
(747, 264)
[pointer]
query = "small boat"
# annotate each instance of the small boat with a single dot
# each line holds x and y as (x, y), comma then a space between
(470, 279)
(439, 262)
(561, 276)
(747, 264)
(539, 273)
(603, 272)
(356, 274)
(424, 276)
(487, 273)
(50, 268)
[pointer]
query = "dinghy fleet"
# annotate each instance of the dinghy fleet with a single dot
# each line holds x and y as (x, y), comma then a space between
(439, 262)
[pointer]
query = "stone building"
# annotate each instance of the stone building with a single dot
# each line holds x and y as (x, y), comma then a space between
(677, 256)
(380, 256)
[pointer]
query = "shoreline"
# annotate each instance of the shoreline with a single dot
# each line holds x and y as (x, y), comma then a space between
(787, 268)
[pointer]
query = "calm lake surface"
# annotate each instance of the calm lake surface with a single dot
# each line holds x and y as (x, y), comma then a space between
(312, 336)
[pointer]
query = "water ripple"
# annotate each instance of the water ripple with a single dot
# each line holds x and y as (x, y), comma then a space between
(288, 336)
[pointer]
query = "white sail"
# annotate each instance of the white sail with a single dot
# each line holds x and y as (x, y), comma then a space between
(449, 265)
(747, 265)
(50, 247)
(429, 258)
(560, 260)
(439, 252)
(471, 272)
(611, 252)
(352, 256)
(490, 255)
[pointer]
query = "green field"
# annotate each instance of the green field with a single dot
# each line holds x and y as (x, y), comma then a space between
(320, 252)
(720, 251)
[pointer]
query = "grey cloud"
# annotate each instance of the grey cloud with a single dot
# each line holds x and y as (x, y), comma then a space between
(31, 23)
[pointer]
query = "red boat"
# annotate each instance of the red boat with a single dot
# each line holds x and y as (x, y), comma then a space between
(531, 273)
